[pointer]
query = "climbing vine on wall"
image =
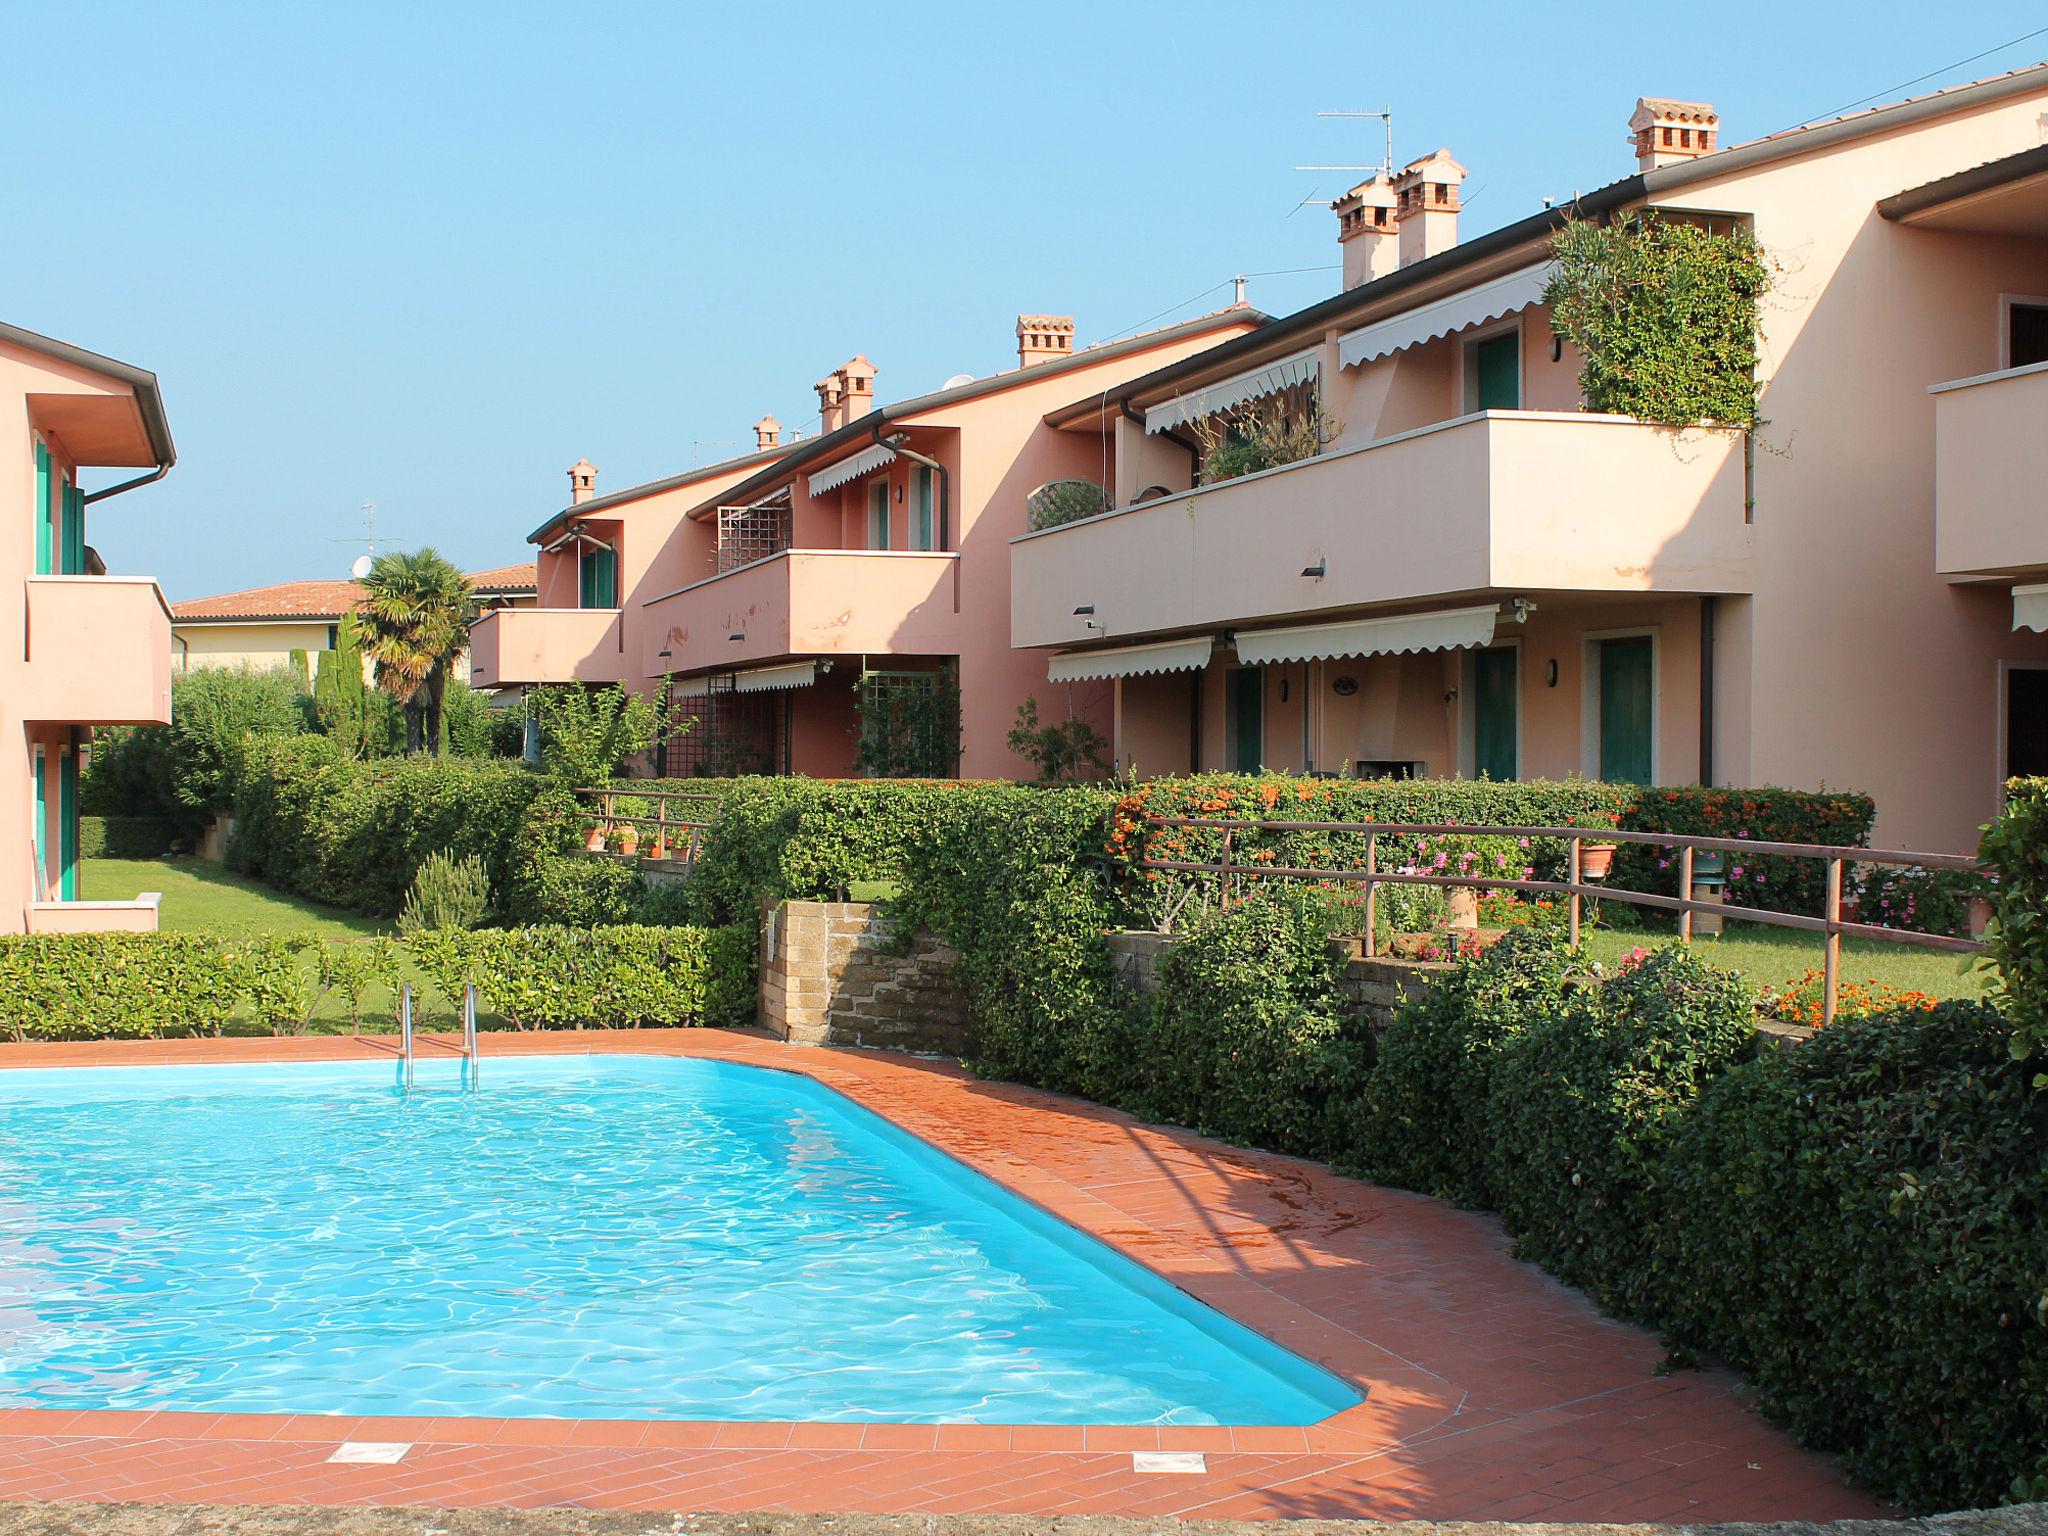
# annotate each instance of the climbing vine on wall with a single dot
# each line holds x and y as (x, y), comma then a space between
(1665, 313)
(909, 724)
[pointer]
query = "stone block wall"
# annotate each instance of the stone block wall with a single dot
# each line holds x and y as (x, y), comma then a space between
(1374, 987)
(831, 975)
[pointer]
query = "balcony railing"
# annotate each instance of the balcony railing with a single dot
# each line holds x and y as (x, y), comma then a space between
(99, 651)
(1523, 500)
(1990, 461)
(518, 646)
(809, 602)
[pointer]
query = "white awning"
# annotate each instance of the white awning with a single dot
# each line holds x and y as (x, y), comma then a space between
(851, 468)
(692, 687)
(797, 674)
(1131, 661)
(1237, 389)
(1474, 306)
(2030, 608)
(1447, 629)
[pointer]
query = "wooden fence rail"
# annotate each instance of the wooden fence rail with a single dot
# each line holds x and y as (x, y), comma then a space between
(604, 810)
(1577, 886)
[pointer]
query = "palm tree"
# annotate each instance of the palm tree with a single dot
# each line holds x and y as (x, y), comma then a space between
(415, 621)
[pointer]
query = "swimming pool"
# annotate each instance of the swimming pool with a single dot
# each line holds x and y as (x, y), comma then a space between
(578, 1237)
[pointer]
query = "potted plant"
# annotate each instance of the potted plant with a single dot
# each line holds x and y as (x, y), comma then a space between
(1596, 859)
(593, 837)
(659, 850)
(629, 839)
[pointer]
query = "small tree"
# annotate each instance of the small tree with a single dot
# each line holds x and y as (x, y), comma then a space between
(338, 691)
(446, 893)
(586, 733)
(1067, 751)
(909, 724)
(415, 622)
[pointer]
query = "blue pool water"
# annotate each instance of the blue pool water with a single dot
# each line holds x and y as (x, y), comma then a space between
(578, 1237)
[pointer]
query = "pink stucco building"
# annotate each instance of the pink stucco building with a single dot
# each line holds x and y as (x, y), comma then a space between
(1476, 575)
(78, 648)
(871, 557)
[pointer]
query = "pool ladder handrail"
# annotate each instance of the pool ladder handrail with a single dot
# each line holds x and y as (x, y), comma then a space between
(467, 1048)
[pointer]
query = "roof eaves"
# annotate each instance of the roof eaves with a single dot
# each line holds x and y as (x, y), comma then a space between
(148, 398)
(1978, 178)
(654, 488)
(867, 427)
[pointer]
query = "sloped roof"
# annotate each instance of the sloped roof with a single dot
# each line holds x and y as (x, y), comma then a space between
(315, 601)
(523, 577)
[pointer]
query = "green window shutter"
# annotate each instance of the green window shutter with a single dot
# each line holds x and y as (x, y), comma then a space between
(600, 577)
(41, 833)
(1247, 706)
(1493, 713)
(878, 515)
(922, 538)
(67, 823)
(74, 530)
(43, 550)
(1498, 361)
(1626, 688)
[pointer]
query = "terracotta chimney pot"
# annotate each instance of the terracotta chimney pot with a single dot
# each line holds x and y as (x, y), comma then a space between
(1426, 205)
(1666, 132)
(1044, 339)
(767, 433)
(1366, 230)
(582, 482)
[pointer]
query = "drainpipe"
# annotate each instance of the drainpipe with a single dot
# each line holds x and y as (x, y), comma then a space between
(128, 485)
(945, 483)
(1194, 453)
(1707, 606)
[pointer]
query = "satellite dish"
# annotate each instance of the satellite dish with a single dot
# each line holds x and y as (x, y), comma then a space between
(957, 380)
(361, 568)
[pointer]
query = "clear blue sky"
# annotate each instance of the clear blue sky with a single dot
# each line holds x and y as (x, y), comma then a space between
(428, 255)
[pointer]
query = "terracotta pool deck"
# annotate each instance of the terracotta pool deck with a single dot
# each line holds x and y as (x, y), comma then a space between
(1492, 1393)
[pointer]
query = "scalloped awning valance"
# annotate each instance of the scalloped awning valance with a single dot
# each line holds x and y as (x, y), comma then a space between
(1447, 629)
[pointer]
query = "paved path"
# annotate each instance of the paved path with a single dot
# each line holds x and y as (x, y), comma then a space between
(1492, 1393)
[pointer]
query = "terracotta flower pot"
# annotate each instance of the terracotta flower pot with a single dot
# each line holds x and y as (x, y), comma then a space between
(629, 841)
(1464, 905)
(1981, 912)
(593, 839)
(1596, 860)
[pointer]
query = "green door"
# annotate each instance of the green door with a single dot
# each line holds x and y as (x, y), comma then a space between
(1493, 713)
(1498, 363)
(67, 823)
(1625, 691)
(600, 576)
(1247, 719)
(74, 531)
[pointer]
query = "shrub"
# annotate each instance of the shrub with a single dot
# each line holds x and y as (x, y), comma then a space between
(125, 837)
(1774, 882)
(310, 820)
(352, 967)
(446, 893)
(1586, 1102)
(732, 965)
(588, 733)
(1064, 501)
(185, 771)
(1064, 751)
(555, 977)
(2016, 847)
(1246, 1036)
(662, 904)
(1424, 1120)
(466, 720)
(106, 986)
(1861, 1224)
(271, 979)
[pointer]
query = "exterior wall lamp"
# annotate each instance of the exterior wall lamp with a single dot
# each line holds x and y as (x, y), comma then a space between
(1319, 570)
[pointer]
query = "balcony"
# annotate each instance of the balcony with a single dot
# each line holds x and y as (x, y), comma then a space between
(137, 916)
(1990, 462)
(517, 646)
(1528, 501)
(99, 651)
(809, 602)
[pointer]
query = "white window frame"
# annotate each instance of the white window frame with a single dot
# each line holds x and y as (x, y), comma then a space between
(2007, 302)
(923, 506)
(1468, 700)
(2001, 709)
(1589, 698)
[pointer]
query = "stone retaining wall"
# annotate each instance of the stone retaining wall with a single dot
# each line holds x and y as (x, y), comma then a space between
(831, 974)
(1375, 987)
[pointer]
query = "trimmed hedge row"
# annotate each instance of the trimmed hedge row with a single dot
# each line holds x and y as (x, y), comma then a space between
(126, 837)
(309, 819)
(153, 985)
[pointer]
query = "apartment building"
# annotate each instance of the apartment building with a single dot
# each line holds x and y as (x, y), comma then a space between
(1472, 574)
(82, 648)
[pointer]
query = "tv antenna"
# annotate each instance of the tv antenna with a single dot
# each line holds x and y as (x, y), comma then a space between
(1385, 117)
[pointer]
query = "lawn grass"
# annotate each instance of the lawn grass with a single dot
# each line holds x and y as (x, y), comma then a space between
(1770, 957)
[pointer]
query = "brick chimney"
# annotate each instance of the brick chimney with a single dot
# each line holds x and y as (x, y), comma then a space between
(1044, 339)
(1426, 205)
(1365, 228)
(1665, 132)
(857, 386)
(582, 482)
(831, 402)
(767, 433)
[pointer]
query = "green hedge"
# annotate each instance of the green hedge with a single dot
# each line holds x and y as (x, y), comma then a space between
(310, 819)
(1859, 1223)
(153, 985)
(1772, 882)
(126, 837)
